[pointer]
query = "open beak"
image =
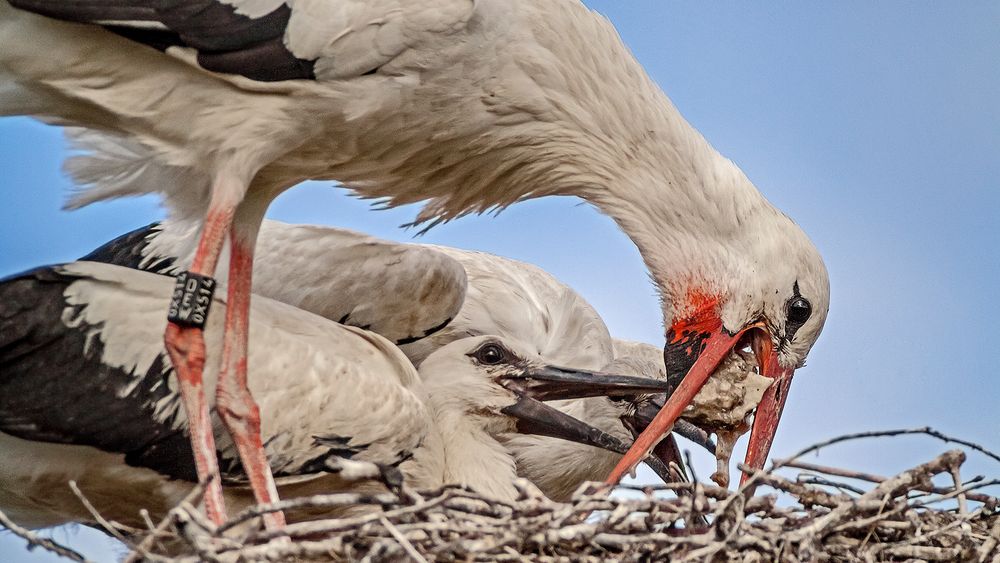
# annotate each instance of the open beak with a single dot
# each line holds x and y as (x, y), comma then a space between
(553, 383)
(535, 417)
(695, 348)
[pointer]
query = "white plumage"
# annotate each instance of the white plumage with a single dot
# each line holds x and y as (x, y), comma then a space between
(465, 105)
(384, 286)
(93, 329)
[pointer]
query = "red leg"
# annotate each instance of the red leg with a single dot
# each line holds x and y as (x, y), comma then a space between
(186, 346)
(234, 402)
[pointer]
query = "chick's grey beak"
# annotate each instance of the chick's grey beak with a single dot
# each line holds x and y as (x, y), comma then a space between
(535, 417)
(551, 383)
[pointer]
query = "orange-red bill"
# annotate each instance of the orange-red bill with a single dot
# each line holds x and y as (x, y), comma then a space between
(768, 414)
(715, 346)
(706, 342)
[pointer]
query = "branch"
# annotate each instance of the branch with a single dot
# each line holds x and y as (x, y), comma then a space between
(34, 539)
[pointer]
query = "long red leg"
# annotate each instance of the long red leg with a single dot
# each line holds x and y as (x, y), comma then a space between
(234, 402)
(186, 346)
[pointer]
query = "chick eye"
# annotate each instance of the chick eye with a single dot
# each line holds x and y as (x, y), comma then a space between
(799, 310)
(490, 354)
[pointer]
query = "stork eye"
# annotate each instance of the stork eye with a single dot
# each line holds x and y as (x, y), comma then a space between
(799, 310)
(490, 354)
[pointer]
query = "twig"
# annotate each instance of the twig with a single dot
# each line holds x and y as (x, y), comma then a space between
(142, 548)
(823, 481)
(455, 524)
(991, 542)
(687, 461)
(403, 542)
(34, 539)
(956, 476)
(873, 478)
(926, 430)
(108, 526)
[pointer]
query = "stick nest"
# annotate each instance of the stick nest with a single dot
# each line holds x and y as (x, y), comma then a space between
(817, 515)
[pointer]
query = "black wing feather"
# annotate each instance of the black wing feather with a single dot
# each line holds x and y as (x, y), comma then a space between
(54, 387)
(226, 41)
(128, 251)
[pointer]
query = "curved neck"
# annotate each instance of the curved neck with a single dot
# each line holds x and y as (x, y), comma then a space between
(686, 207)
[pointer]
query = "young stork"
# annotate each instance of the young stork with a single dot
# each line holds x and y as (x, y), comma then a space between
(467, 105)
(88, 395)
(368, 282)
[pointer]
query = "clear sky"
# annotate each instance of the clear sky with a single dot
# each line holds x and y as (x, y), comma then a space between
(876, 126)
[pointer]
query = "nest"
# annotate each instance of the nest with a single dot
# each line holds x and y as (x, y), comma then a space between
(814, 516)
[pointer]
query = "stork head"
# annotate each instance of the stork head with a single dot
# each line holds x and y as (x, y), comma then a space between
(761, 287)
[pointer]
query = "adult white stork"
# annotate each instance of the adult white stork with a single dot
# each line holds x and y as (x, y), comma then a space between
(467, 105)
(87, 395)
(423, 297)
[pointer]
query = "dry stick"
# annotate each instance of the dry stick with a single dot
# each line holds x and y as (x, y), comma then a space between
(108, 526)
(946, 528)
(317, 501)
(327, 526)
(991, 542)
(888, 487)
(926, 430)
(956, 476)
(142, 549)
(961, 491)
(811, 479)
(34, 539)
(881, 515)
(403, 542)
(873, 478)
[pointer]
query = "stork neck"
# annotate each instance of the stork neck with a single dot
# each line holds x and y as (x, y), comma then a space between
(474, 458)
(685, 206)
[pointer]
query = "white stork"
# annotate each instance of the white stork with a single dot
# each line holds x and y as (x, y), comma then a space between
(87, 394)
(423, 297)
(467, 105)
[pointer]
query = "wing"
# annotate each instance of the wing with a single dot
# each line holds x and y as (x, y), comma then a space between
(82, 362)
(517, 300)
(272, 40)
(403, 292)
(56, 384)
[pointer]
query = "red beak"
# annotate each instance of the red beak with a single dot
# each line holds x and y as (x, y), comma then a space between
(768, 414)
(702, 342)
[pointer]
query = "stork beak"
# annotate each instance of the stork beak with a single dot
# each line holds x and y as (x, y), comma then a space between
(555, 383)
(695, 348)
(643, 416)
(535, 417)
(551, 383)
(768, 414)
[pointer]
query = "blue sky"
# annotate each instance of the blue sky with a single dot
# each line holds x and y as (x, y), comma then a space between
(875, 126)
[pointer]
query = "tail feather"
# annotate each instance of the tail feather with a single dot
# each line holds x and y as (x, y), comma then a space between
(109, 166)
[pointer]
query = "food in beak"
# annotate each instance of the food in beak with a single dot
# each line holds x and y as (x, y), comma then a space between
(723, 406)
(728, 398)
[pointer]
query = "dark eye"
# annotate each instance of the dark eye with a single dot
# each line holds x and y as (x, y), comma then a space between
(799, 310)
(490, 354)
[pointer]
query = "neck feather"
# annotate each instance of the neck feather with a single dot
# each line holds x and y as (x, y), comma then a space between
(475, 459)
